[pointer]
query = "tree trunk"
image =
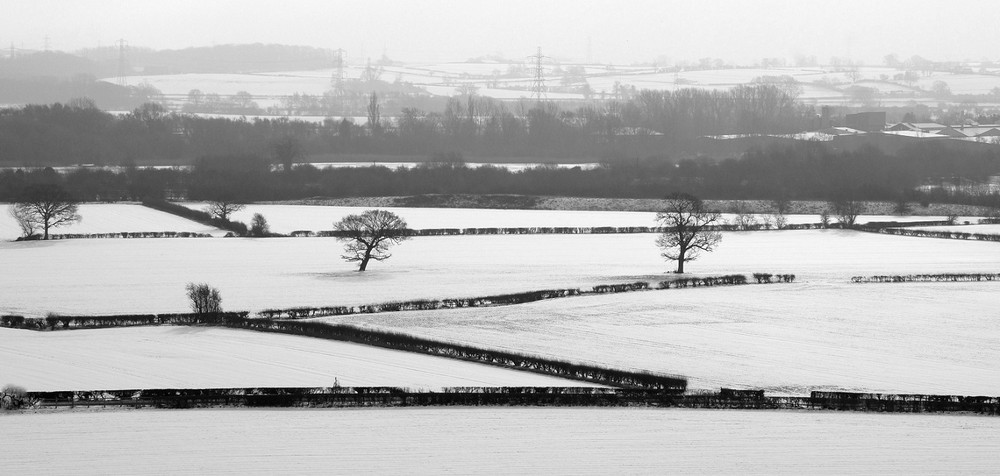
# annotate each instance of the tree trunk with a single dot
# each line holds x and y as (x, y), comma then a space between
(364, 261)
(46, 227)
(680, 261)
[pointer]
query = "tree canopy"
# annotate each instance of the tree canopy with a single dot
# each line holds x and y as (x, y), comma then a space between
(687, 229)
(369, 235)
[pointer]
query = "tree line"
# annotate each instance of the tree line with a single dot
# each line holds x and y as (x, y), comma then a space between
(643, 125)
(807, 171)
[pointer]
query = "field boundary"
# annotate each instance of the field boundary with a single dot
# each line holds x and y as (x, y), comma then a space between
(375, 338)
(948, 235)
(338, 397)
(928, 278)
(520, 298)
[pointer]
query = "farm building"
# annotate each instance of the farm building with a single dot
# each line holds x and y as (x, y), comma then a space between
(866, 121)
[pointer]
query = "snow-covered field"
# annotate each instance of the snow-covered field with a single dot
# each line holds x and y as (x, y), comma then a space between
(497, 441)
(199, 357)
(289, 218)
(112, 218)
(937, 338)
(819, 84)
(129, 276)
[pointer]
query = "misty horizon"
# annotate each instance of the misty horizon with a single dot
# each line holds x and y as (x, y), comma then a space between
(741, 33)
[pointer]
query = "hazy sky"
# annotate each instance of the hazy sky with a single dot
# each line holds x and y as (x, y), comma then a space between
(619, 31)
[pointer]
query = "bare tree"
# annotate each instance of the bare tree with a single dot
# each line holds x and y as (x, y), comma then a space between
(24, 218)
(286, 150)
(223, 209)
(47, 206)
(745, 218)
(374, 115)
(204, 298)
(846, 210)
(369, 235)
(259, 226)
(686, 232)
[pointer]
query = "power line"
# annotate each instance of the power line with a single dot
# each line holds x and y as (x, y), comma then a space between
(538, 83)
(337, 79)
(122, 78)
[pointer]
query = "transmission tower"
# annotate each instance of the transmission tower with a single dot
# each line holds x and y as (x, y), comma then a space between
(337, 78)
(122, 78)
(538, 83)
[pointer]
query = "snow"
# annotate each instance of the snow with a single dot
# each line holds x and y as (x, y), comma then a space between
(497, 440)
(443, 79)
(932, 338)
(136, 276)
(205, 357)
(113, 218)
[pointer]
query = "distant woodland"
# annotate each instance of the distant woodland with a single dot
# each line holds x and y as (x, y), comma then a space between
(649, 143)
(652, 124)
(800, 171)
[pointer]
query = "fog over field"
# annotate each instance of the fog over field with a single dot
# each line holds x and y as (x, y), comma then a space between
(441, 30)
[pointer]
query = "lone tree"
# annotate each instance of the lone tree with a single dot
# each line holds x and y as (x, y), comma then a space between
(369, 235)
(685, 223)
(204, 298)
(224, 208)
(45, 206)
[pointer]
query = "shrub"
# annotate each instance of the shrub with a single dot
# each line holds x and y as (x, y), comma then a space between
(259, 226)
(204, 298)
(762, 277)
(13, 397)
(11, 321)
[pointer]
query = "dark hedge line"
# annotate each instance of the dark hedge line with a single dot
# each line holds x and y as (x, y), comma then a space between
(927, 278)
(337, 396)
(597, 230)
(511, 299)
(130, 234)
(56, 321)
(389, 340)
(397, 341)
(951, 235)
(238, 228)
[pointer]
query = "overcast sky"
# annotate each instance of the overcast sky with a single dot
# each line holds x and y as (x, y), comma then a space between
(619, 31)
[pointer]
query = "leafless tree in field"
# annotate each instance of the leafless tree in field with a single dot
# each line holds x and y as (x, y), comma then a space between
(45, 206)
(369, 235)
(687, 232)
